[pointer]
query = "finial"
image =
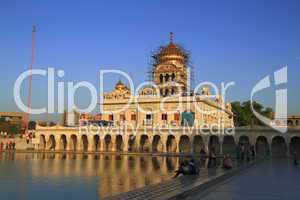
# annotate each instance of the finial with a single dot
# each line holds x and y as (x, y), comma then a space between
(171, 37)
(33, 28)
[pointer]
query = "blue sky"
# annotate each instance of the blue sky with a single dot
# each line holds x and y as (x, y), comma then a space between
(240, 41)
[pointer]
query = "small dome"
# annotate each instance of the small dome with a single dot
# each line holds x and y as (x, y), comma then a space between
(120, 85)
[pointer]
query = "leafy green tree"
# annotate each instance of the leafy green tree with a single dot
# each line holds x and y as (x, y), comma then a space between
(243, 115)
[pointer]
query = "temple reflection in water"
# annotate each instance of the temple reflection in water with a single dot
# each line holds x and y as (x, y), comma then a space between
(129, 171)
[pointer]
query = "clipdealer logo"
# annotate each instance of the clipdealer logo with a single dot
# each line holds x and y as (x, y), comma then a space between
(280, 78)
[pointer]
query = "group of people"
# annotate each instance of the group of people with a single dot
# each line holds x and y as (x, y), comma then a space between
(187, 168)
(6, 135)
(245, 152)
(212, 160)
(11, 145)
(190, 168)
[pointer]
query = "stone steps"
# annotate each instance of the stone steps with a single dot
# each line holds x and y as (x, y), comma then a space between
(180, 187)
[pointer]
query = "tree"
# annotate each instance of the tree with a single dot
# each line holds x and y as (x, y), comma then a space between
(31, 125)
(243, 115)
(238, 113)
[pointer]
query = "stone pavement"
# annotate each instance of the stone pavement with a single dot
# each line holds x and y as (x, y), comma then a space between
(276, 179)
(183, 186)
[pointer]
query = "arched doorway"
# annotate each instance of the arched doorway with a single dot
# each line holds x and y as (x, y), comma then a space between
(278, 146)
(108, 143)
(63, 142)
(51, 142)
(295, 145)
(84, 143)
(96, 142)
(157, 145)
(184, 144)
(198, 143)
(171, 144)
(244, 140)
(42, 144)
(119, 143)
(144, 143)
(132, 143)
(262, 146)
(228, 145)
(214, 144)
(73, 142)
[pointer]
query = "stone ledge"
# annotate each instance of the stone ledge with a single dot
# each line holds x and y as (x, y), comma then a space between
(208, 183)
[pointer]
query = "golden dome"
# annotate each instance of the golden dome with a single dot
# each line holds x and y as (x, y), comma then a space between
(171, 52)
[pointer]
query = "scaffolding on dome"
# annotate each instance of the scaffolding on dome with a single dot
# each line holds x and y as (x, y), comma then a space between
(156, 57)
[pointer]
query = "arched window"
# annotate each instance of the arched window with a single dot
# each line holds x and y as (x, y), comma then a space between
(173, 76)
(167, 77)
(161, 78)
(122, 117)
(164, 117)
(173, 91)
(161, 92)
(133, 117)
(166, 92)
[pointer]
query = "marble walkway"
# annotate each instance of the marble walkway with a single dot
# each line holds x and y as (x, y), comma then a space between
(276, 179)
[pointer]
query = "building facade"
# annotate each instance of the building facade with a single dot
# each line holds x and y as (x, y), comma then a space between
(164, 117)
(168, 101)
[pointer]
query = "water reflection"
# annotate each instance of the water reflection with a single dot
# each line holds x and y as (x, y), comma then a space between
(110, 174)
(102, 174)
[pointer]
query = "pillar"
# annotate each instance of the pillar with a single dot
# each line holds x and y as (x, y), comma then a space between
(57, 142)
(68, 144)
(113, 142)
(164, 143)
(91, 143)
(150, 139)
(205, 139)
(287, 142)
(191, 138)
(48, 142)
(269, 139)
(102, 144)
(221, 139)
(125, 141)
(177, 140)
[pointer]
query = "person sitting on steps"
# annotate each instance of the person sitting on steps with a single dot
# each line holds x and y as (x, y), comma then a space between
(182, 169)
(227, 162)
(186, 168)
